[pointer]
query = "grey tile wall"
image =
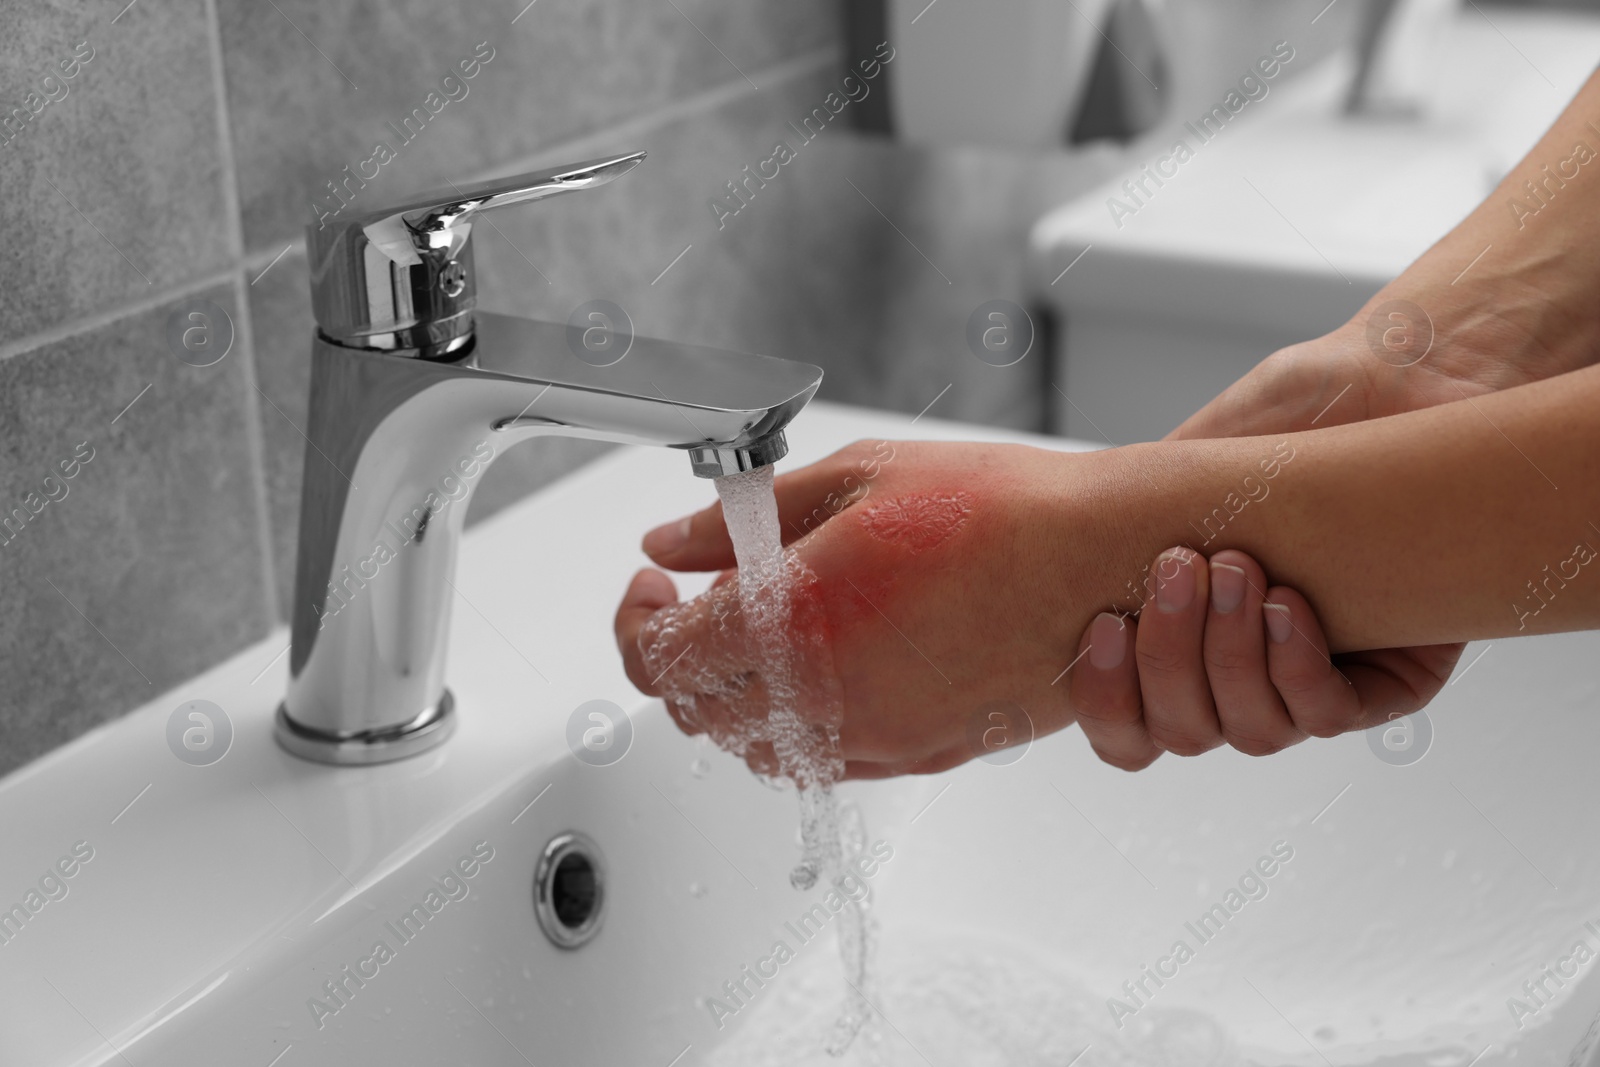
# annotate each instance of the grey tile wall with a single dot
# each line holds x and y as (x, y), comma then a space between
(139, 562)
(111, 177)
(558, 69)
(183, 160)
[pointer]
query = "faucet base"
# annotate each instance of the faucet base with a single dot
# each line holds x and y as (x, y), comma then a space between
(433, 727)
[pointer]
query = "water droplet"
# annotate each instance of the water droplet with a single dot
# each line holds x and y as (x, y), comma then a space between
(803, 877)
(698, 890)
(700, 767)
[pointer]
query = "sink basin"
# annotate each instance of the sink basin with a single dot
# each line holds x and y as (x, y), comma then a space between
(210, 906)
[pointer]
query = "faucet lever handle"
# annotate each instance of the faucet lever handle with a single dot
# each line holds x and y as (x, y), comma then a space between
(399, 278)
(441, 221)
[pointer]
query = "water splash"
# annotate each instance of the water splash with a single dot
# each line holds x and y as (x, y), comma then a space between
(949, 998)
(807, 754)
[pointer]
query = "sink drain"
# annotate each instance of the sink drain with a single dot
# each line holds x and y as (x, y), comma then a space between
(569, 890)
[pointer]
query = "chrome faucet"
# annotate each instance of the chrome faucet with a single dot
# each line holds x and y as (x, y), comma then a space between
(413, 393)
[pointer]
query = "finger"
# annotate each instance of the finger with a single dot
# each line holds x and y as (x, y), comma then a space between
(761, 758)
(693, 653)
(936, 764)
(1320, 700)
(1178, 710)
(1397, 681)
(1252, 714)
(681, 716)
(806, 498)
(1105, 694)
(866, 770)
(648, 593)
(725, 714)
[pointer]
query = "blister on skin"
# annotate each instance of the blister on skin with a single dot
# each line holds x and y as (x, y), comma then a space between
(918, 522)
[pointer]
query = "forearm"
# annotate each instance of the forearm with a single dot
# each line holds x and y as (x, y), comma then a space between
(1475, 519)
(1516, 279)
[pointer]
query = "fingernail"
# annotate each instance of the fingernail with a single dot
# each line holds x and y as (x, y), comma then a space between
(1174, 581)
(667, 539)
(1108, 641)
(1279, 627)
(1227, 587)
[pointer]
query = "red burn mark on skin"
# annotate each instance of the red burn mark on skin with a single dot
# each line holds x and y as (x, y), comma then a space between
(919, 521)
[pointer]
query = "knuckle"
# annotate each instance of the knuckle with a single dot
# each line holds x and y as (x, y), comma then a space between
(1302, 682)
(1320, 716)
(1231, 664)
(1252, 743)
(1163, 660)
(1111, 709)
(1322, 723)
(1183, 742)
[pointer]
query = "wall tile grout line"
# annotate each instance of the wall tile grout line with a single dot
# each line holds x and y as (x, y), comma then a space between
(230, 174)
(257, 261)
(89, 323)
(255, 447)
(700, 103)
(245, 336)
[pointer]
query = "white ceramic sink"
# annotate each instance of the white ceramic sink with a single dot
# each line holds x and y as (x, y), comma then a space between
(220, 898)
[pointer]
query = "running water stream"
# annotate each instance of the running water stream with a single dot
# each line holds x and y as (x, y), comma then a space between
(807, 754)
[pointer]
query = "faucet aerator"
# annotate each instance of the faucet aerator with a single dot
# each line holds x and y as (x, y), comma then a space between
(716, 461)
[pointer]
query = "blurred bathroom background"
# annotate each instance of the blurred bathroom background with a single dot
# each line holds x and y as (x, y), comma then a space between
(946, 162)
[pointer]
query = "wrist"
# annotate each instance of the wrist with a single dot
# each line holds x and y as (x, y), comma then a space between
(1128, 504)
(1509, 299)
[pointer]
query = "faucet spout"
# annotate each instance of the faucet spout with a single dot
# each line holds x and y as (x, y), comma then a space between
(726, 409)
(397, 444)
